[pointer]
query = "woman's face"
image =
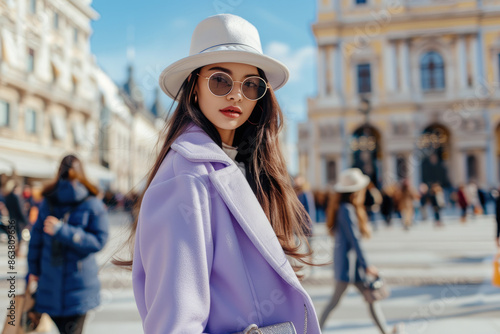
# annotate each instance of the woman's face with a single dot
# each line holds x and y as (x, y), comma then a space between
(228, 112)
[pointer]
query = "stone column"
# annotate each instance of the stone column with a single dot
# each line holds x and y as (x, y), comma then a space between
(321, 72)
(390, 66)
(311, 170)
(461, 68)
(331, 70)
(483, 178)
(459, 173)
(474, 59)
(404, 66)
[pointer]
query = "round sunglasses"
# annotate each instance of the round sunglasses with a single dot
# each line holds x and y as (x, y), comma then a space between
(221, 84)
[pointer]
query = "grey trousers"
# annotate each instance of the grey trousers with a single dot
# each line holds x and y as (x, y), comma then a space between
(375, 310)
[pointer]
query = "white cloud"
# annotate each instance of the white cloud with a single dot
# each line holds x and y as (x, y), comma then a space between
(296, 61)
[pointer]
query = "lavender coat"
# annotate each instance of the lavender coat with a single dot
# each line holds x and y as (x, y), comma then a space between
(206, 257)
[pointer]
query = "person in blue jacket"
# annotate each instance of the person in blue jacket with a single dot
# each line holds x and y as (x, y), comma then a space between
(347, 220)
(72, 226)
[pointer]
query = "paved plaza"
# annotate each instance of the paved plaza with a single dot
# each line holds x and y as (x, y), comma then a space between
(439, 278)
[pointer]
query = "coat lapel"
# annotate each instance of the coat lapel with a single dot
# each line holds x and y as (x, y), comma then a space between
(231, 184)
(234, 190)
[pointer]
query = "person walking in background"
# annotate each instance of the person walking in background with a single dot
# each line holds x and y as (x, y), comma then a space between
(305, 196)
(497, 218)
(387, 206)
(15, 207)
(347, 222)
(473, 198)
(463, 202)
(406, 196)
(320, 203)
(423, 190)
(307, 199)
(436, 196)
(482, 197)
(36, 201)
(373, 199)
(72, 226)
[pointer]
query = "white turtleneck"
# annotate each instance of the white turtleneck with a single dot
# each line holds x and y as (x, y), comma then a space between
(232, 152)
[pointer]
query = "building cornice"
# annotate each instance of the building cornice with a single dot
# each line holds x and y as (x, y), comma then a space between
(351, 22)
(28, 83)
(87, 10)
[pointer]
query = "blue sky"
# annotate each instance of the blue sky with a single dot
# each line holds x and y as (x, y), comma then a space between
(159, 33)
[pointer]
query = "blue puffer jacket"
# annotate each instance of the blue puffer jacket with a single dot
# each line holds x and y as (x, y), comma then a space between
(69, 286)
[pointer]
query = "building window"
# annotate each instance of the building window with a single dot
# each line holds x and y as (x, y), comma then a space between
(33, 6)
(472, 168)
(364, 78)
(4, 113)
(432, 71)
(31, 60)
(58, 127)
(75, 35)
(56, 21)
(30, 119)
(331, 171)
(360, 2)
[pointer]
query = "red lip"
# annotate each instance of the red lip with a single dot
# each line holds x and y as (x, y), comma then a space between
(232, 109)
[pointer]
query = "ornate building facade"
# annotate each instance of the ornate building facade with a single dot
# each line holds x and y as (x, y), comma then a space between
(406, 89)
(54, 99)
(48, 91)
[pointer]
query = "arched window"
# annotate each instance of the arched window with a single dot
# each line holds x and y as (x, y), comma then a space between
(432, 71)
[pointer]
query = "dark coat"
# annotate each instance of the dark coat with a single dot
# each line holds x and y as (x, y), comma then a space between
(69, 286)
(14, 205)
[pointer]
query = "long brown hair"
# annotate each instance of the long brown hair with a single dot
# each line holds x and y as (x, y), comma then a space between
(70, 168)
(357, 200)
(258, 147)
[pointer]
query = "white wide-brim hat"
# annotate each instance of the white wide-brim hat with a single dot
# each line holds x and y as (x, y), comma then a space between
(351, 180)
(223, 38)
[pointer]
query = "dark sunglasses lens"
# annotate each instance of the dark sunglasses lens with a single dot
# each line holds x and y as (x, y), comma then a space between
(220, 84)
(254, 88)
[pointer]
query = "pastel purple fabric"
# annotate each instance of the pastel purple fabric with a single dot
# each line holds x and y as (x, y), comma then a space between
(206, 257)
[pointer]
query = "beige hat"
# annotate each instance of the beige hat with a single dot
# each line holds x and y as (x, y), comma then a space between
(351, 180)
(223, 38)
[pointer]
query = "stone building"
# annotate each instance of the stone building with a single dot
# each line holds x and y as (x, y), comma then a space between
(406, 89)
(144, 132)
(48, 90)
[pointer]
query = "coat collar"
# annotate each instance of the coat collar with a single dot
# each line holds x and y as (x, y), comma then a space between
(231, 184)
(195, 145)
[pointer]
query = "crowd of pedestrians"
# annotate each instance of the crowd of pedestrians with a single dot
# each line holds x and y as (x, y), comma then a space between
(408, 204)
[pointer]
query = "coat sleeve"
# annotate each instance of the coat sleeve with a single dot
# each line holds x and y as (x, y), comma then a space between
(36, 241)
(90, 239)
(173, 257)
(347, 226)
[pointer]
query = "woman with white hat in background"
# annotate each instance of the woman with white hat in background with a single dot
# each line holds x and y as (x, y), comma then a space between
(347, 221)
(219, 215)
